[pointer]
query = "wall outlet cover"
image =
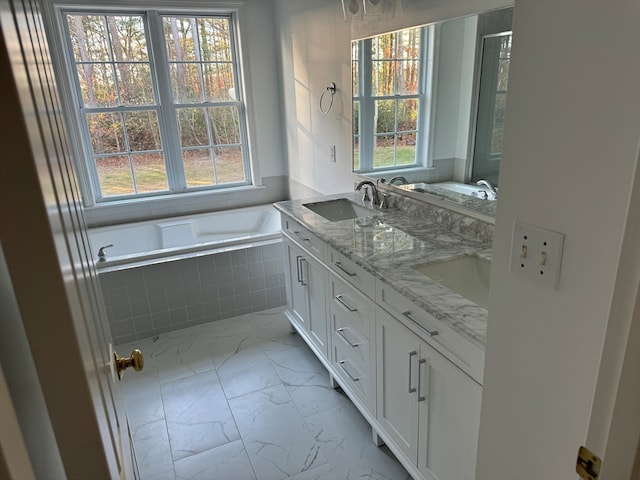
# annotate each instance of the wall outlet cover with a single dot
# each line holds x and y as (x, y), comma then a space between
(536, 253)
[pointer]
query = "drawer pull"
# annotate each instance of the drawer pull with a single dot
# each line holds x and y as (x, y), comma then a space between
(304, 239)
(343, 366)
(420, 363)
(339, 265)
(344, 304)
(411, 355)
(341, 333)
(431, 333)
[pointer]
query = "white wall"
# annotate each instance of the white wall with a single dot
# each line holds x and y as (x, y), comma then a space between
(315, 50)
(569, 157)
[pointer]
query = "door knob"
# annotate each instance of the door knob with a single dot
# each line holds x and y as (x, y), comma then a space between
(136, 360)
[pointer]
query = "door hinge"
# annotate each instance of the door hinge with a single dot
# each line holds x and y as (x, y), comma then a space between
(588, 464)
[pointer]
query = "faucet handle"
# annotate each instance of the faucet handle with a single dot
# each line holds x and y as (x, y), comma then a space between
(365, 197)
(384, 202)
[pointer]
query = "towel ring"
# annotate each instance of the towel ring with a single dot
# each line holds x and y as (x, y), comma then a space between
(332, 90)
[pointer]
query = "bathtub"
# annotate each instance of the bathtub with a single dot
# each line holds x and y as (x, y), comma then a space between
(165, 275)
(154, 240)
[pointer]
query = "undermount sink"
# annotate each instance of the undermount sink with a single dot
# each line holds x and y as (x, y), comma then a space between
(468, 276)
(338, 209)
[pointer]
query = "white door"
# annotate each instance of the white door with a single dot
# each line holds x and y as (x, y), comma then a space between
(44, 240)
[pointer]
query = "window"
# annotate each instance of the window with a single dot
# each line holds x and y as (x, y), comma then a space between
(389, 100)
(159, 101)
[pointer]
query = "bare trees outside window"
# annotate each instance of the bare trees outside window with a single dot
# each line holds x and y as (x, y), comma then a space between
(159, 100)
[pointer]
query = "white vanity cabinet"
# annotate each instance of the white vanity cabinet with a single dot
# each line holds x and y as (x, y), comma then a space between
(427, 406)
(306, 281)
(417, 391)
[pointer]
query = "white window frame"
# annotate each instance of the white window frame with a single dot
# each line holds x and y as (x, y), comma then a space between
(70, 93)
(366, 117)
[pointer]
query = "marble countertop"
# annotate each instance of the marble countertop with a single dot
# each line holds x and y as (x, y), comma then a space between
(389, 243)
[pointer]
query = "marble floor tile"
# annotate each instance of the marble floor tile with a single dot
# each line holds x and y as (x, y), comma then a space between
(180, 357)
(243, 398)
(226, 462)
(274, 434)
(142, 397)
(323, 472)
(247, 371)
(345, 440)
(153, 452)
(197, 413)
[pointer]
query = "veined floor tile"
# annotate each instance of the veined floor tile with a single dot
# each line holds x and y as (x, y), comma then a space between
(153, 453)
(345, 440)
(323, 472)
(274, 434)
(227, 462)
(198, 417)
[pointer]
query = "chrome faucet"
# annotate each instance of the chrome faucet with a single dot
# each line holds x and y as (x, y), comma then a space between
(374, 191)
(493, 191)
(402, 180)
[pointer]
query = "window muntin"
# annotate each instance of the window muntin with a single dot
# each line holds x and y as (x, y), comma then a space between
(389, 100)
(163, 123)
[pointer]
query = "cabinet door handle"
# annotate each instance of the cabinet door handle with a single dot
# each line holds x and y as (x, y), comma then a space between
(411, 355)
(298, 268)
(303, 282)
(341, 333)
(420, 363)
(431, 333)
(343, 366)
(339, 265)
(344, 304)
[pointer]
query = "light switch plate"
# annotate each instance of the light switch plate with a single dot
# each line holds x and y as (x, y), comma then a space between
(537, 253)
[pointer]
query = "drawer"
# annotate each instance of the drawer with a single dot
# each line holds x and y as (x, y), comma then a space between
(465, 355)
(355, 309)
(350, 271)
(350, 340)
(351, 375)
(303, 236)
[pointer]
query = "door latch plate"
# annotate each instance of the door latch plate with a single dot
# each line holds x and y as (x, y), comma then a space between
(588, 464)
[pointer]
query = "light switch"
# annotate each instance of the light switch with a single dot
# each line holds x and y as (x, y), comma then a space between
(537, 253)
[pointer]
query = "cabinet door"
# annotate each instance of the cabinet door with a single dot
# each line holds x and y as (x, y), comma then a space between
(314, 279)
(397, 352)
(295, 289)
(449, 412)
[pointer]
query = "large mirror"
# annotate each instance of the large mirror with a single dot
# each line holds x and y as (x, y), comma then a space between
(428, 108)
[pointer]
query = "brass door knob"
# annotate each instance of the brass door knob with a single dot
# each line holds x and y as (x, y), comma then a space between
(136, 360)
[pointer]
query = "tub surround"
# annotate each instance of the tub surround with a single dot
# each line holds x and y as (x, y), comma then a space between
(153, 299)
(407, 234)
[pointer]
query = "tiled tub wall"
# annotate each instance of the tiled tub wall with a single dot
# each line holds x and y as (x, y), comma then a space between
(153, 299)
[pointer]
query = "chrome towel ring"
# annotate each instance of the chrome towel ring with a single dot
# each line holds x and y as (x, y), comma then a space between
(332, 90)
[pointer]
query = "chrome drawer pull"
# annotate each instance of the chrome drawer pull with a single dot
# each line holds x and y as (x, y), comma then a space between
(341, 333)
(304, 239)
(339, 265)
(420, 397)
(342, 364)
(411, 355)
(431, 333)
(344, 304)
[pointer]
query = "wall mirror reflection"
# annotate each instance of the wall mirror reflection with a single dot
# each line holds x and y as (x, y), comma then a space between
(428, 108)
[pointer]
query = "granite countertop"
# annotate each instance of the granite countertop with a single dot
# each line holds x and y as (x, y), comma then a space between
(389, 243)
